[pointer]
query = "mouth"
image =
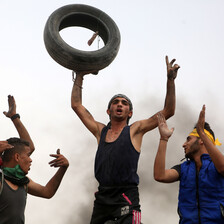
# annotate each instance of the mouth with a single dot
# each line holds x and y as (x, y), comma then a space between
(119, 111)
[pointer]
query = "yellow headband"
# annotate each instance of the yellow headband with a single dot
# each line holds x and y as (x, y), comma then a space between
(215, 142)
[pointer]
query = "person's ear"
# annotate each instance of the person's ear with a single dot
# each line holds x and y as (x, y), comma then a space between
(16, 157)
(108, 112)
(130, 114)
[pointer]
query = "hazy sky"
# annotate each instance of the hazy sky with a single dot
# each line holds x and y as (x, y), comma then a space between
(190, 31)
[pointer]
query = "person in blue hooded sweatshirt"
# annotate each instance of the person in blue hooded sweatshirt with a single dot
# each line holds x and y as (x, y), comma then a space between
(201, 176)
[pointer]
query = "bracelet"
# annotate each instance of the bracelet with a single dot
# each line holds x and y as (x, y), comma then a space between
(78, 86)
(15, 116)
(163, 139)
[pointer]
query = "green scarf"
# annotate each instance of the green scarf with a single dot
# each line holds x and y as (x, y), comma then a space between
(15, 172)
(15, 175)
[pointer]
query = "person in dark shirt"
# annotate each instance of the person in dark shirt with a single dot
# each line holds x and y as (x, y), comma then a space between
(14, 183)
(201, 176)
(119, 146)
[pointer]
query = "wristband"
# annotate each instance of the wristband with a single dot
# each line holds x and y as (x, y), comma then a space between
(15, 116)
(164, 139)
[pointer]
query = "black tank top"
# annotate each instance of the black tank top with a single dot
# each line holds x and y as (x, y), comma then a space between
(12, 204)
(116, 162)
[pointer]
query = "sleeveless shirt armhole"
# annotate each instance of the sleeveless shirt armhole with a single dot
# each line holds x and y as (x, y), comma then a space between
(26, 188)
(128, 126)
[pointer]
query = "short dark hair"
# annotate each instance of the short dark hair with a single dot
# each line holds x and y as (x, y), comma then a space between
(122, 96)
(208, 128)
(19, 146)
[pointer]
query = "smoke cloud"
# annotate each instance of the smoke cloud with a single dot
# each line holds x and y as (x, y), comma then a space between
(73, 203)
(158, 201)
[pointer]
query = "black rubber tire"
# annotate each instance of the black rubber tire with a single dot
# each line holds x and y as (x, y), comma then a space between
(90, 18)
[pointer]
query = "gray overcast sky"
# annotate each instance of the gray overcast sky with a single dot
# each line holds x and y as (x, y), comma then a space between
(190, 31)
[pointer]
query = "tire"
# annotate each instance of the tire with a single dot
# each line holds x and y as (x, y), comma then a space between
(87, 17)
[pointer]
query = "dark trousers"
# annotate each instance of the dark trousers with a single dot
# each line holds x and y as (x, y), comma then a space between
(120, 204)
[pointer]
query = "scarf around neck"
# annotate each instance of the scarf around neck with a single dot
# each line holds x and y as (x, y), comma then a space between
(15, 175)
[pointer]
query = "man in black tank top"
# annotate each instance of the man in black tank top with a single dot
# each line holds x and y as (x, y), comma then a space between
(119, 146)
(15, 164)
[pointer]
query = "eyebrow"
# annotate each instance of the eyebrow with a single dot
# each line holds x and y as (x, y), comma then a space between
(122, 100)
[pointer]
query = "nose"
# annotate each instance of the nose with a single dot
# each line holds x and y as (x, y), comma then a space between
(184, 145)
(119, 103)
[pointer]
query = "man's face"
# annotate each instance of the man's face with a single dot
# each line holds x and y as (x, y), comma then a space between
(24, 159)
(119, 109)
(191, 146)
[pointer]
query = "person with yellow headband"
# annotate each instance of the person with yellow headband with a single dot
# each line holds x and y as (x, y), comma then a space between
(201, 176)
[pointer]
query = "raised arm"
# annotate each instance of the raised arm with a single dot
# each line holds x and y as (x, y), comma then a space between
(215, 154)
(161, 174)
(22, 131)
(51, 187)
(76, 103)
(170, 100)
(143, 126)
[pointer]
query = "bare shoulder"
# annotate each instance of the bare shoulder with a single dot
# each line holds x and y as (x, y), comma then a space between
(143, 126)
(135, 127)
(31, 184)
(35, 188)
(100, 127)
(97, 131)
